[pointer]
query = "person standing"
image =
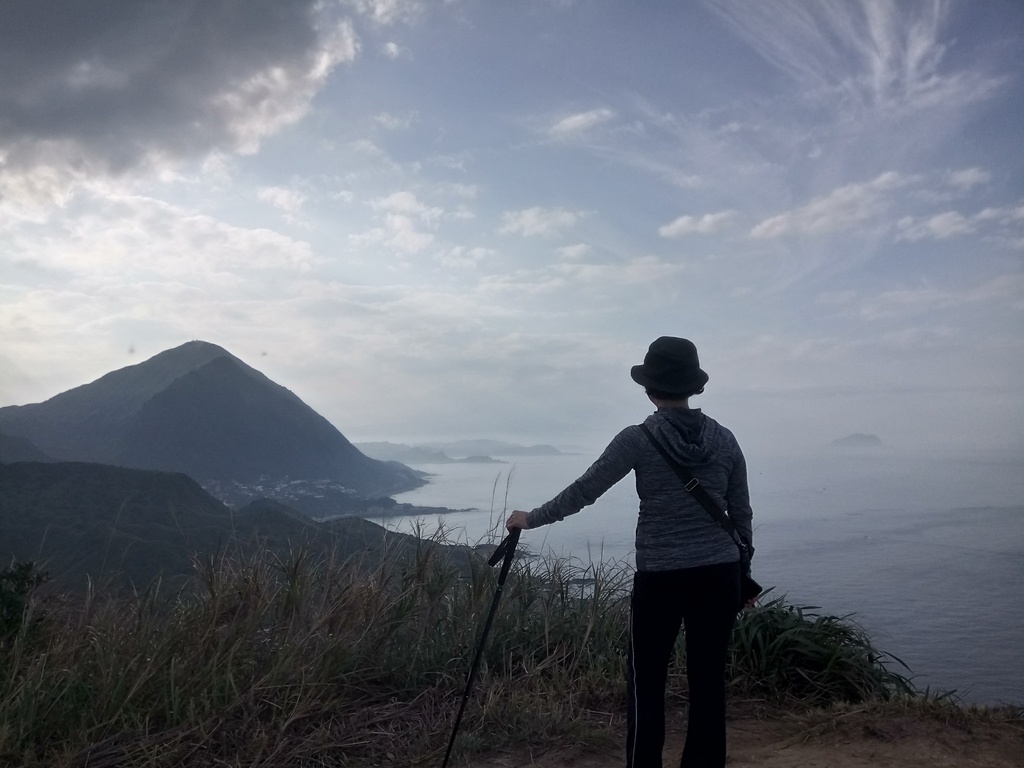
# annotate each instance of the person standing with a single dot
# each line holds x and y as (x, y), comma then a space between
(688, 567)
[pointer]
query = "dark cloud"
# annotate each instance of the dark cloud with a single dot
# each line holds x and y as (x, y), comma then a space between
(119, 80)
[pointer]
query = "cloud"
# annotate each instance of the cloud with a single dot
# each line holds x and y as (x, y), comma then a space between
(394, 50)
(394, 122)
(287, 200)
(277, 95)
(405, 202)
(388, 11)
(916, 339)
(520, 282)
(842, 209)
(403, 234)
(141, 238)
(404, 217)
(879, 55)
(649, 269)
(468, 191)
(1004, 215)
(938, 227)
(463, 257)
(537, 221)
(573, 252)
(969, 177)
(912, 301)
(952, 223)
(399, 232)
(707, 224)
(580, 122)
(28, 194)
(131, 84)
(640, 270)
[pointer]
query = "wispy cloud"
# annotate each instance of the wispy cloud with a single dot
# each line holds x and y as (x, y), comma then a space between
(405, 202)
(952, 223)
(400, 232)
(388, 11)
(969, 177)
(393, 50)
(580, 122)
(573, 252)
(842, 209)
(282, 198)
(876, 54)
(29, 194)
(394, 122)
(707, 224)
(405, 217)
(938, 227)
(912, 301)
(468, 191)
(140, 238)
(463, 257)
(537, 221)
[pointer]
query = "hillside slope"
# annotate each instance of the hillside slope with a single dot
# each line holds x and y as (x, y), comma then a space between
(84, 423)
(96, 521)
(19, 449)
(198, 409)
(221, 422)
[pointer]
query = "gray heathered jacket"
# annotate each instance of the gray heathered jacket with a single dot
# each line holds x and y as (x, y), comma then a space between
(673, 530)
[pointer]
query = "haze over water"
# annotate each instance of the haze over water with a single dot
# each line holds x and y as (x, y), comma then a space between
(927, 549)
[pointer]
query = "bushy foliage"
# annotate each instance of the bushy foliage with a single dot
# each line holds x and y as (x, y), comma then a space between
(17, 583)
(787, 651)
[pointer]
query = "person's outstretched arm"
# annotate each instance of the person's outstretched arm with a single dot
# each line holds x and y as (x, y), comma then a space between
(612, 465)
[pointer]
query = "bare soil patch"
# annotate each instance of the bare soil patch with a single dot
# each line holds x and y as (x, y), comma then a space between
(875, 736)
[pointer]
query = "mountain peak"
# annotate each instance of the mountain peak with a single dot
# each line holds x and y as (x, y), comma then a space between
(197, 349)
(198, 409)
(82, 423)
(164, 367)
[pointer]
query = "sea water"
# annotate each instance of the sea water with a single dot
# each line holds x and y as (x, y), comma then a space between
(926, 552)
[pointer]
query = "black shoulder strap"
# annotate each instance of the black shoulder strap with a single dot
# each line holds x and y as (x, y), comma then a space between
(692, 484)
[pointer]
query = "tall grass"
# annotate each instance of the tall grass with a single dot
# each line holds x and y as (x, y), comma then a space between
(302, 661)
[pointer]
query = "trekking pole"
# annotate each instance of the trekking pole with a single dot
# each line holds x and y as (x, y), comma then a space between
(506, 550)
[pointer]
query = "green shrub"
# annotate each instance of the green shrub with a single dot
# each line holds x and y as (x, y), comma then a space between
(789, 652)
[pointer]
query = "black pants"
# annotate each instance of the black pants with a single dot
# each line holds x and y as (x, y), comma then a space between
(705, 601)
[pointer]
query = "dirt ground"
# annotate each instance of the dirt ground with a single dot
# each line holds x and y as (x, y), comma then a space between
(851, 739)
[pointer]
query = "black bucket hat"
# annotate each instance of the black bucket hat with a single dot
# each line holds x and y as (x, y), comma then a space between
(671, 366)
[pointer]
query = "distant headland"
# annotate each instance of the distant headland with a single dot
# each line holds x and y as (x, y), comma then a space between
(460, 451)
(858, 441)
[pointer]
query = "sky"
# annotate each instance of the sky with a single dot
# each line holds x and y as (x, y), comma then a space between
(462, 219)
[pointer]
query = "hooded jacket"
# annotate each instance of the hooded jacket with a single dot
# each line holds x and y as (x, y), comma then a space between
(673, 529)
